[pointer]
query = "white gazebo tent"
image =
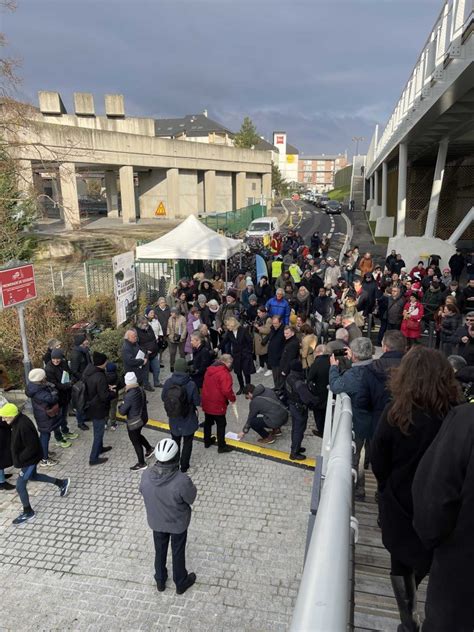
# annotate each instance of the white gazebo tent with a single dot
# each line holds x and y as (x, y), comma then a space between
(190, 240)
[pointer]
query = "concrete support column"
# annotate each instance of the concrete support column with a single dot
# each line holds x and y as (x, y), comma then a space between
(127, 195)
(111, 193)
(376, 187)
(240, 189)
(172, 182)
(436, 189)
(69, 201)
(371, 187)
(402, 189)
(375, 209)
(267, 189)
(384, 189)
(210, 191)
(25, 182)
(384, 224)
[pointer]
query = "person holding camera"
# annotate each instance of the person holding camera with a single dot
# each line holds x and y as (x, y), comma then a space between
(176, 332)
(464, 338)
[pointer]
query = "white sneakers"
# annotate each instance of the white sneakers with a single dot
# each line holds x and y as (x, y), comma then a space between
(267, 373)
(260, 369)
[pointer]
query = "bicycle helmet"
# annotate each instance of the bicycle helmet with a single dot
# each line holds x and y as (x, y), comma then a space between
(166, 450)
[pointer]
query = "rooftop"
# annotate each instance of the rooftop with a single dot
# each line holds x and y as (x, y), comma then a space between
(191, 124)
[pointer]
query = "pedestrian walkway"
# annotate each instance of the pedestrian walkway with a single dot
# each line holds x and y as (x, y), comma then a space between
(86, 561)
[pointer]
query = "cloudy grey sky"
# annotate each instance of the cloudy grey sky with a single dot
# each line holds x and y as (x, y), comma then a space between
(323, 70)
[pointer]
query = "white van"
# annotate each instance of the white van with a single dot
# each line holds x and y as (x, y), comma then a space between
(263, 226)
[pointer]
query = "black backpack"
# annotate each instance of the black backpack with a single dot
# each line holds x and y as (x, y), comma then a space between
(176, 402)
(79, 396)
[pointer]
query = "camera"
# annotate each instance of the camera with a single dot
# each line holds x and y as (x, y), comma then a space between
(340, 353)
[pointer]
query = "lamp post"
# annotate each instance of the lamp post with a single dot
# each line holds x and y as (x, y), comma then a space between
(357, 140)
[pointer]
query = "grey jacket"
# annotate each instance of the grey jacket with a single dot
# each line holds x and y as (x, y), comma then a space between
(350, 382)
(168, 494)
(267, 405)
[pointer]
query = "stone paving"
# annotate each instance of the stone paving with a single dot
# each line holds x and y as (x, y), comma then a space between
(86, 561)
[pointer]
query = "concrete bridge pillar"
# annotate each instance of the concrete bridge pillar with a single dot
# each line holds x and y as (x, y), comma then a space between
(384, 224)
(127, 195)
(240, 189)
(436, 189)
(69, 201)
(267, 189)
(376, 209)
(172, 182)
(25, 181)
(210, 191)
(402, 189)
(111, 193)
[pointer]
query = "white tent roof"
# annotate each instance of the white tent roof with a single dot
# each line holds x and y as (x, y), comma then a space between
(190, 240)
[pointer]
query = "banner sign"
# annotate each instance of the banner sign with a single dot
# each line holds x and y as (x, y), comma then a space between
(125, 286)
(17, 285)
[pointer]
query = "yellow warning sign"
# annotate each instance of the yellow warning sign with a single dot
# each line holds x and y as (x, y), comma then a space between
(161, 210)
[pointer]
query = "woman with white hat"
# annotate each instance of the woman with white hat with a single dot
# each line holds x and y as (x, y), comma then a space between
(135, 409)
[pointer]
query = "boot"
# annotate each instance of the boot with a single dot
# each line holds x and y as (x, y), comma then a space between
(404, 589)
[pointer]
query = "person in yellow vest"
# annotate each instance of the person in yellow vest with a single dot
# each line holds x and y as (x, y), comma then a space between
(266, 240)
(295, 272)
(277, 267)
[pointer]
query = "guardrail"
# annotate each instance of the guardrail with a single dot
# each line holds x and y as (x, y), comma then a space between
(324, 597)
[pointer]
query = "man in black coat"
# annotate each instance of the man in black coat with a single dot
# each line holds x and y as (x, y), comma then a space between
(80, 359)
(201, 359)
(134, 359)
(276, 342)
(163, 313)
(26, 453)
(318, 380)
(99, 394)
(456, 265)
(291, 350)
(443, 504)
(57, 373)
(464, 339)
(149, 345)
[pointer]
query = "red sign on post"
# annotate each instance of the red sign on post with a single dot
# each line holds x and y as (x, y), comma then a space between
(17, 285)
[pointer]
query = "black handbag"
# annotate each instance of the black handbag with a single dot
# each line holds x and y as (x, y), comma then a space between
(135, 423)
(264, 340)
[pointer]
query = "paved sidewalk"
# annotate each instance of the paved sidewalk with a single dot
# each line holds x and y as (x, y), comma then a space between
(86, 561)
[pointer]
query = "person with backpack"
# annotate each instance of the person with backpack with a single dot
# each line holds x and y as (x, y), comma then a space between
(80, 359)
(181, 397)
(299, 400)
(135, 409)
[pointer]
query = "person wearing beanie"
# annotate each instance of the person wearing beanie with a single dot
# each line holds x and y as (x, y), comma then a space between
(54, 343)
(26, 453)
(251, 311)
(168, 495)
(99, 396)
(299, 400)
(135, 409)
(245, 296)
(58, 374)
(79, 360)
(181, 398)
(47, 412)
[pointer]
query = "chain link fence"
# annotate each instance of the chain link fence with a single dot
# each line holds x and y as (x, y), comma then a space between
(233, 222)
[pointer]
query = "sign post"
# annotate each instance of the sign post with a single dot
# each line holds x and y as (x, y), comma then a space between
(125, 286)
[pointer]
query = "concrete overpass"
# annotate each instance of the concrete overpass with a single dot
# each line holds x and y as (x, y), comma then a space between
(420, 167)
(148, 171)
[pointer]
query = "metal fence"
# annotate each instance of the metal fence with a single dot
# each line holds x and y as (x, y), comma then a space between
(325, 595)
(233, 222)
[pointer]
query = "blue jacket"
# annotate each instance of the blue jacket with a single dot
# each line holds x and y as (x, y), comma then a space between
(183, 426)
(43, 396)
(279, 308)
(350, 382)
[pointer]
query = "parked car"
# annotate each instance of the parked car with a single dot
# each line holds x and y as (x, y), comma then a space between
(333, 207)
(322, 201)
(263, 226)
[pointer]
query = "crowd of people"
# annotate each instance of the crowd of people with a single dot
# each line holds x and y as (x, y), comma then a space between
(301, 327)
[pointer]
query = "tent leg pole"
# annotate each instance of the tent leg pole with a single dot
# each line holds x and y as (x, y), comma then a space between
(226, 279)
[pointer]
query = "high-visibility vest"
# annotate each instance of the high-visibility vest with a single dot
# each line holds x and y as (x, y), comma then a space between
(276, 269)
(266, 240)
(295, 272)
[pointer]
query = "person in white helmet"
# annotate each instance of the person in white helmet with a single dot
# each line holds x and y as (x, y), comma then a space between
(168, 494)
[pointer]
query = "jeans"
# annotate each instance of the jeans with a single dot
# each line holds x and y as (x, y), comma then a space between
(63, 427)
(155, 369)
(44, 440)
(220, 422)
(299, 421)
(30, 474)
(178, 552)
(2, 476)
(81, 418)
(139, 442)
(97, 443)
(186, 451)
(258, 424)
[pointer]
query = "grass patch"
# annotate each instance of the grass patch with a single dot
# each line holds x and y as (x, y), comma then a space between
(376, 240)
(340, 194)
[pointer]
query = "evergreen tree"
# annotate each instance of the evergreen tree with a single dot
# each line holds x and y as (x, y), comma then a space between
(247, 137)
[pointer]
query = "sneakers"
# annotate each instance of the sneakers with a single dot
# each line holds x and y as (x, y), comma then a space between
(188, 582)
(70, 435)
(225, 448)
(26, 516)
(47, 463)
(64, 487)
(260, 369)
(113, 426)
(267, 373)
(297, 457)
(266, 440)
(7, 487)
(138, 467)
(99, 461)
(62, 443)
(149, 453)
(276, 432)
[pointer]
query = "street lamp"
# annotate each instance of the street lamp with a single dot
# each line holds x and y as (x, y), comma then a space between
(357, 140)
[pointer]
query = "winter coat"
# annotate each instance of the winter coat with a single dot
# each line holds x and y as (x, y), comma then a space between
(411, 326)
(318, 380)
(265, 326)
(207, 288)
(176, 329)
(467, 299)
(25, 445)
(134, 404)
(465, 349)
(366, 266)
(370, 288)
(449, 325)
(147, 342)
(395, 307)
(456, 264)
(54, 375)
(217, 389)
(263, 293)
(183, 426)
(331, 275)
(313, 284)
(280, 308)
(265, 403)
(43, 396)
(168, 495)
(431, 301)
(192, 318)
(354, 332)
(395, 458)
(244, 298)
(373, 394)
(349, 382)
(6, 459)
(163, 315)
(227, 310)
(202, 358)
(241, 349)
(324, 306)
(276, 343)
(303, 304)
(443, 500)
(308, 345)
(98, 394)
(79, 360)
(131, 363)
(291, 351)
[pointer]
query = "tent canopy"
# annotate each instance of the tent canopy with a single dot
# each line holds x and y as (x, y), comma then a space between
(190, 240)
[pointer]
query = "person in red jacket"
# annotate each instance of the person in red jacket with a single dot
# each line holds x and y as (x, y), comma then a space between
(216, 394)
(412, 315)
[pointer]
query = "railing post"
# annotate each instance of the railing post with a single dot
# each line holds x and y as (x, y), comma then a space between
(431, 335)
(86, 280)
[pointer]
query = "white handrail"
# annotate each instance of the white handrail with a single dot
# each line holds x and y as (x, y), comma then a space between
(323, 602)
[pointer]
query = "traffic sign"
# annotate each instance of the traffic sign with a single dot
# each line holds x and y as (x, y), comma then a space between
(161, 210)
(17, 285)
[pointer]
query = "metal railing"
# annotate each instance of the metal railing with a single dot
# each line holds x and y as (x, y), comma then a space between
(324, 597)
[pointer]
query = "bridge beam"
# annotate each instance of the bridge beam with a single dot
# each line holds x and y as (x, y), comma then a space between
(436, 188)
